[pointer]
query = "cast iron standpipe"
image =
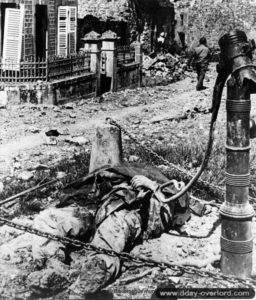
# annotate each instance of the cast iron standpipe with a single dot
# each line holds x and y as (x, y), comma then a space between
(236, 212)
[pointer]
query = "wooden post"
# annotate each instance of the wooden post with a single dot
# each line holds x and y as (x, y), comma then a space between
(106, 147)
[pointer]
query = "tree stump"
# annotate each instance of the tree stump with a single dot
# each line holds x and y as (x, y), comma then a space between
(106, 147)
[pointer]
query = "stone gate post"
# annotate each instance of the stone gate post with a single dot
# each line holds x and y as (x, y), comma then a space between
(92, 44)
(109, 51)
(138, 59)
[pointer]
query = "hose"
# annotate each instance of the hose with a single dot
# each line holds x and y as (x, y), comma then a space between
(216, 100)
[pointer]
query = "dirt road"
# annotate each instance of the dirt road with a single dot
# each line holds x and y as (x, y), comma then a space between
(145, 113)
(23, 128)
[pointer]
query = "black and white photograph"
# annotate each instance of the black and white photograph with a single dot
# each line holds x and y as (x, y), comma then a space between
(127, 149)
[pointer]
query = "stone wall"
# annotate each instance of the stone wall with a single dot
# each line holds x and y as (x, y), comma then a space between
(213, 18)
(104, 9)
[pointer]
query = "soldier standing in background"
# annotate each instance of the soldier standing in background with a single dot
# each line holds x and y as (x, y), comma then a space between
(200, 59)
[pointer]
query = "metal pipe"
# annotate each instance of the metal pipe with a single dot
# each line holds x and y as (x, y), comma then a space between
(236, 212)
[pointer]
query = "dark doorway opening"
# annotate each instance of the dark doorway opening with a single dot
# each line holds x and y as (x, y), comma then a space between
(182, 39)
(3, 12)
(105, 84)
(41, 31)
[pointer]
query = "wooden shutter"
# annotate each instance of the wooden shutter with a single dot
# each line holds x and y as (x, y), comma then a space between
(63, 21)
(67, 23)
(72, 29)
(13, 28)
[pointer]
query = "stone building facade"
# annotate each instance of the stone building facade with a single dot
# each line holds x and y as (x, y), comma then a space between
(213, 18)
(39, 25)
(141, 20)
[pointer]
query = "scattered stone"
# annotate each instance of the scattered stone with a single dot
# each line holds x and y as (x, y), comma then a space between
(77, 140)
(1, 187)
(16, 165)
(133, 158)
(3, 99)
(51, 140)
(25, 176)
(163, 167)
(72, 115)
(66, 121)
(69, 106)
(60, 175)
(34, 129)
(137, 121)
(176, 280)
(52, 132)
(126, 138)
(37, 153)
(57, 109)
(40, 167)
(64, 131)
(169, 117)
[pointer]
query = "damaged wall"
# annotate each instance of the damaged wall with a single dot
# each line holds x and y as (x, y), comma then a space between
(154, 17)
(130, 19)
(213, 18)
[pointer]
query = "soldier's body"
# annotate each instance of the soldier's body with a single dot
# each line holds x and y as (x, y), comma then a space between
(132, 207)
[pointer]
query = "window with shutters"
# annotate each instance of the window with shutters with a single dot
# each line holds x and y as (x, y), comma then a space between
(12, 45)
(67, 23)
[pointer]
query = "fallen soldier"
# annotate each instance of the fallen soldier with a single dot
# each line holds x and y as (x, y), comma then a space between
(130, 207)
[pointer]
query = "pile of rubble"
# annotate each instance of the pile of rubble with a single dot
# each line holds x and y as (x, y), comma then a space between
(163, 69)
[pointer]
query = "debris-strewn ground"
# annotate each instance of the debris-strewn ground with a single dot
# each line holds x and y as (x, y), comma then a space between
(171, 119)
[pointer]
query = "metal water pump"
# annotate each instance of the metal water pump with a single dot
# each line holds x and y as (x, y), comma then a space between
(236, 212)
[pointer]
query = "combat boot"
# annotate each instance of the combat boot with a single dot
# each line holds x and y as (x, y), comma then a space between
(49, 281)
(92, 278)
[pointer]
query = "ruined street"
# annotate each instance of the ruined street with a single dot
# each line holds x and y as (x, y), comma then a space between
(41, 143)
(143, 111)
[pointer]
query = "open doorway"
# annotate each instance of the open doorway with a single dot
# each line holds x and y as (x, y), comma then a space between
(105, 83)
(41, 17)
(3, 7)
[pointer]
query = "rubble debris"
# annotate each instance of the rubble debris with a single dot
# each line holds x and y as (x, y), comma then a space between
(52, 132)
(34, 129)
(197, 206)
(135, 277)
(37, 187)
(133, 158)
(167, 118)
(77, 140)
(163, 69)
(51, 140)
(69, 106)
(60, 175)
(25, 175)
(40, 167)
(1, 187)
(72, 115)
(3, 99)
